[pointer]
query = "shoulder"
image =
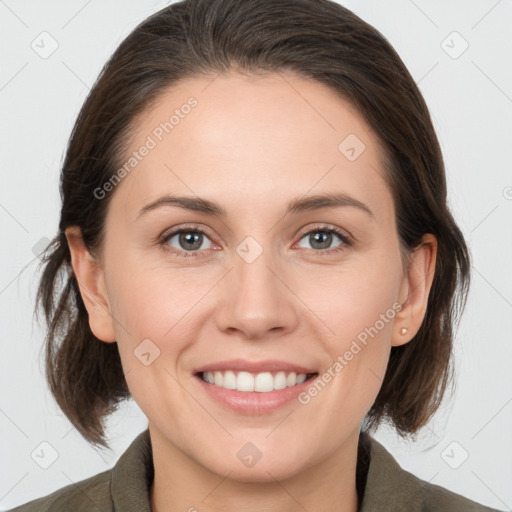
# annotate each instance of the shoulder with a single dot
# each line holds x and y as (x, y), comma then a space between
(389, 487)
(124, 487)
(437, 498)
(91, 494)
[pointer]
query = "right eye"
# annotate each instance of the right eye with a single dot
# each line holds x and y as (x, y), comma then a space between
(190, 241)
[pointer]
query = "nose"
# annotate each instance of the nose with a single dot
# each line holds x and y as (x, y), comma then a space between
(257, 302)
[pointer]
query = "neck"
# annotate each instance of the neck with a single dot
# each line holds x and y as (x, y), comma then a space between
(182, 484)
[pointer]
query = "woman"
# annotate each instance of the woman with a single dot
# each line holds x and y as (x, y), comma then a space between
(255, 245)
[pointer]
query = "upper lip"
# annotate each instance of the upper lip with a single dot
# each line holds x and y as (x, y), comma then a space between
(269, 365)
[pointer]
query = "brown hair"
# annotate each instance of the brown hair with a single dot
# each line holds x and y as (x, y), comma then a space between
(315, 39)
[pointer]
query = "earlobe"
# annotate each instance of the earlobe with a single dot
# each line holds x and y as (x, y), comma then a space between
(90, 278)
(415, 291)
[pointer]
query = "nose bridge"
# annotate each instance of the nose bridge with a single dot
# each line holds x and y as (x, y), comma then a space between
(256, 300)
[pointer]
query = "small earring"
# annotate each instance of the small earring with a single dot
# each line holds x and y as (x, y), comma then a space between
(403, 331)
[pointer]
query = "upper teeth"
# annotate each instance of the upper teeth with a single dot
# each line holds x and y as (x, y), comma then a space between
(245, 381)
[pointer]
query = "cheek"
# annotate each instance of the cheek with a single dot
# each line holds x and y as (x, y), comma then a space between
(353, 297)
(153, 312)
(155, 325)
(357, 304)
(155, 300)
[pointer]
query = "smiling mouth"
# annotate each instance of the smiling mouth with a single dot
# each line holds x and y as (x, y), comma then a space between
(263, 382)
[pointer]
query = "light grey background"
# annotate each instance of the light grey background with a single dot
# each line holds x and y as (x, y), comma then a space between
(470, 98)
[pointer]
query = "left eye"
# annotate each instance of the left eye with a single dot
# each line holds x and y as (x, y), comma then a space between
(323, 239)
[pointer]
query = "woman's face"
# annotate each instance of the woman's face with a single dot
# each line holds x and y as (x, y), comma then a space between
(264, 280)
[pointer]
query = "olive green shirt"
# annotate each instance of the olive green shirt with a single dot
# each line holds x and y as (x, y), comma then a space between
(382, 486)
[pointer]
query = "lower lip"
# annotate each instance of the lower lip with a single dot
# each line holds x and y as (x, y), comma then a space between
(254, 402)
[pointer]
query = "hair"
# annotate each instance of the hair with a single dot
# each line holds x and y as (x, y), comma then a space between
(315, 39)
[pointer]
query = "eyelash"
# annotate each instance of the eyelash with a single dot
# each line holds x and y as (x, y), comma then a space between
(346, 240)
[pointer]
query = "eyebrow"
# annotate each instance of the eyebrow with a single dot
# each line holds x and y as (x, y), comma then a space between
(297, 205)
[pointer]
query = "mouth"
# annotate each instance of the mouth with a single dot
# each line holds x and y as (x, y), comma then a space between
(254, 387)
(249, 382)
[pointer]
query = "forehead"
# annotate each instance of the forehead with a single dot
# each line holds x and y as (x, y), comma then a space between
(252, 140)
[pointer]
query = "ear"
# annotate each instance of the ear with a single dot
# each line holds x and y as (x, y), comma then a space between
(89, 275)
(415, 290)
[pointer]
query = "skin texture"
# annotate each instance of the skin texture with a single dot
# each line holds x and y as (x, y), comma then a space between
(252, 144)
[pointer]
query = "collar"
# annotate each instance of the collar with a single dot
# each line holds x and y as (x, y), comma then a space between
(388, 487)
(132, 476)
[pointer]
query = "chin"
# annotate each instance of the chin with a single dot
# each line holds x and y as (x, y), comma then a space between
(245, 462)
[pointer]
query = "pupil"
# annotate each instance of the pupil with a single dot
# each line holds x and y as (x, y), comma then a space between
(319, 235)
(188, 238)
